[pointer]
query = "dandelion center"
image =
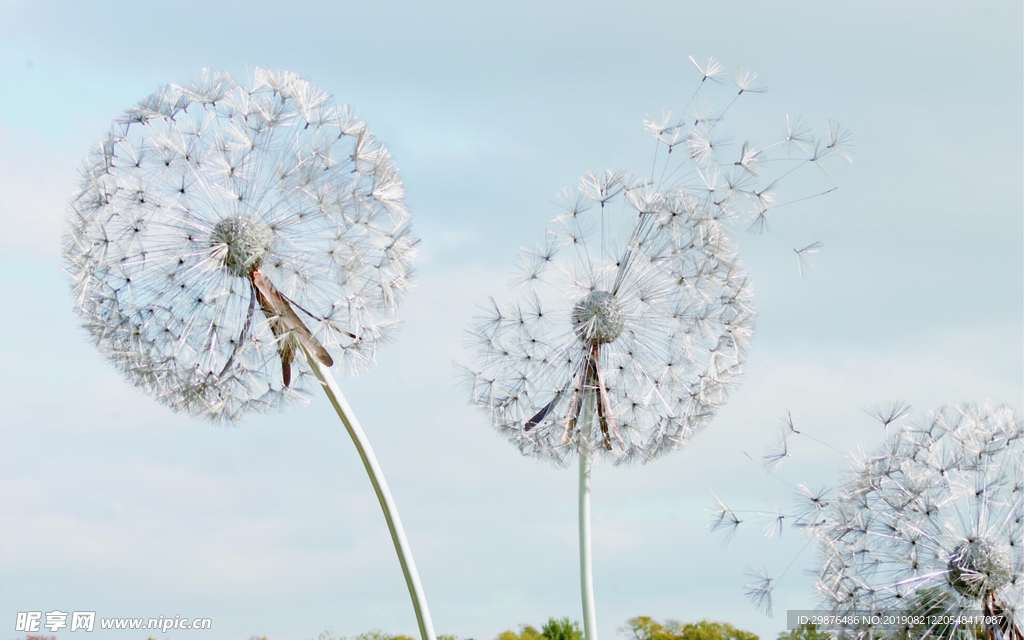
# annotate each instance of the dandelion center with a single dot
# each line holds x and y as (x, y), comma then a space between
(245, 242)
(978, 567)
(598, 318)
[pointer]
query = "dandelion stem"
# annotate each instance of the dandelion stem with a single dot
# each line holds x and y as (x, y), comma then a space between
(586, 556)
(387, 503)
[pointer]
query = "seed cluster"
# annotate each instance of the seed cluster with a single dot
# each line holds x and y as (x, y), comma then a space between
(245, 242)
(977, 567)
(634, 324)
(201, 184)
(932, 523)
(598, 318)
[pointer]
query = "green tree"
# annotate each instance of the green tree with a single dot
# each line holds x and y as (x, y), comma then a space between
(562, 629)
(526, 632)
(647, 628)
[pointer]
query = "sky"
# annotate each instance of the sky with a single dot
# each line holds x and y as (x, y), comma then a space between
(110, 502)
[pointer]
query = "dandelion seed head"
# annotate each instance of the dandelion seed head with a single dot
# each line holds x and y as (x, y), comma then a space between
(200, 187)
(598, 318)
(931, 522)
(977, 567)
(244, 240)
(633, 327)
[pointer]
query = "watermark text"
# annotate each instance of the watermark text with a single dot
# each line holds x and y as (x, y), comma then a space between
(56, 620)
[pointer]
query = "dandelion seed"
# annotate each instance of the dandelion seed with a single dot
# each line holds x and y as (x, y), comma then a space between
(750, 159)
(774, 526)
(809, 506)
(665, 131)
(724, 520)
(798, 136)
(888, 412)
(710, 68)
(702, 113)
(776, 454)
(839, 140)
(748, 82)
(702, 146)
(773, 459)
(599, 188)
(803, 256)
(760, 591)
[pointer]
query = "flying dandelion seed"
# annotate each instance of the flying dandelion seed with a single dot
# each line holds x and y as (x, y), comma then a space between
(760, 591)
(803, 256)
(209, 200)
(725, 520)
(703, 134)
(738, 186)
(773, 459)
(710, 68)
(805, 513)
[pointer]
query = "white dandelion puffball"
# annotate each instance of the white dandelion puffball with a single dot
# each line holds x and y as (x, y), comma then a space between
(933, 525)
(221, 230)
(633, 324)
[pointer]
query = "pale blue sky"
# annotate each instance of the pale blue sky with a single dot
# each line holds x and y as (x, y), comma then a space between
(110, 502)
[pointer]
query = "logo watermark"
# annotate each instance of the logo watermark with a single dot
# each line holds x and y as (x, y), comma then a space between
(57, 620)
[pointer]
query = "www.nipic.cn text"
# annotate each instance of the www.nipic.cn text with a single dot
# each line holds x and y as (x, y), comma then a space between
(56, 620)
